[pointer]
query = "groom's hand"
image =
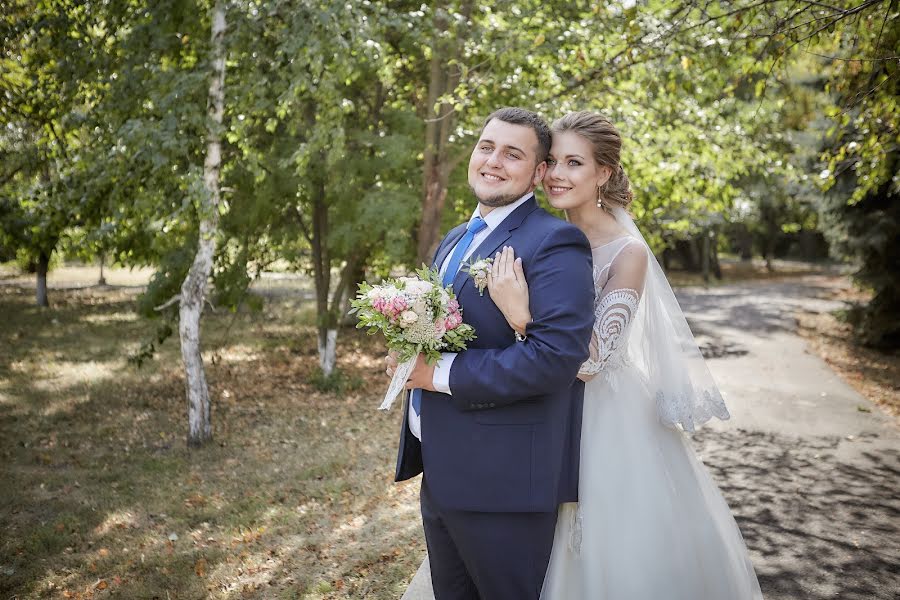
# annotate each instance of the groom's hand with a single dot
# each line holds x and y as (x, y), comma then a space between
(390, 363)
(422, 376)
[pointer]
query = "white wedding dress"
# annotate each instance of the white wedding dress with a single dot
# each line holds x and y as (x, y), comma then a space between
(650, 523)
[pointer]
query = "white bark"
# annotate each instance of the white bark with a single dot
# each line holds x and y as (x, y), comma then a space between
(194, 287)
(328, 352)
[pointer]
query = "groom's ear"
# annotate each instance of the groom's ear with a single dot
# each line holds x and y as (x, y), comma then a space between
(539, 172)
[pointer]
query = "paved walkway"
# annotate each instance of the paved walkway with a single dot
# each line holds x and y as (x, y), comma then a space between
(810, 468)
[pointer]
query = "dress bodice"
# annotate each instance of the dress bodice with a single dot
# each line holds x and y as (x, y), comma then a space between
(604, 255)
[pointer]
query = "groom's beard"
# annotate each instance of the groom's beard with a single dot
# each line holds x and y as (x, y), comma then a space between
(502, 199)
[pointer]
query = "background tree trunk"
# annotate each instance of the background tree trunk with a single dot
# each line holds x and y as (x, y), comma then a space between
(704, 255)
(327, 324)
(193, 289)
(745, 243)
(42, 266)
(102, 279)
(714, 256)
(439, 123)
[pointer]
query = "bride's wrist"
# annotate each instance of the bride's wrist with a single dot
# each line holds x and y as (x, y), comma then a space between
(520, 324)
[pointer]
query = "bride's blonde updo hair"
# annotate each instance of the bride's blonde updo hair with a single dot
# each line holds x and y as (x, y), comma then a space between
(607, 144)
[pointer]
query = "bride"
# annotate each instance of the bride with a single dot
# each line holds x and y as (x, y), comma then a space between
(650, 523)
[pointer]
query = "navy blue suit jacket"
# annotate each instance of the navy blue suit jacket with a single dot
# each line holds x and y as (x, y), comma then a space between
(509, 436)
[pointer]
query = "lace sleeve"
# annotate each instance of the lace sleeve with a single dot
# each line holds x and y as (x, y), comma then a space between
(611, 318)
(614, 311)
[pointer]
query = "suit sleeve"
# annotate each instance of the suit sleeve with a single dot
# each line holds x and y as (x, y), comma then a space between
(561, 296)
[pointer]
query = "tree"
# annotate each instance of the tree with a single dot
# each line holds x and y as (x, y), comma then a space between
(860, 167)
(322, 150)
(450, 25)
(193, 290)
(49, 85)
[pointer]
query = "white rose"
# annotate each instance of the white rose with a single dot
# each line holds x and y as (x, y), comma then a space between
(408, 317)
(418, 287)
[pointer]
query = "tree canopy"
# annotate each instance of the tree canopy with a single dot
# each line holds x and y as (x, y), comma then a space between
(347, 126)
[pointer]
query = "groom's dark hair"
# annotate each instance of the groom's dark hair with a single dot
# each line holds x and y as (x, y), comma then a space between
(521, 116)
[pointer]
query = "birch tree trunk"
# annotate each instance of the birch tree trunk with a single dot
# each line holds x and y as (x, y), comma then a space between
(193, 289)
(327, 326)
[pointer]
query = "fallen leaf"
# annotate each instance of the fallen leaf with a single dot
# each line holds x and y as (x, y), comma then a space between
(200, 567)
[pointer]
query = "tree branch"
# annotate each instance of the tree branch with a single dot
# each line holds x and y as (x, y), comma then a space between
(174, 299)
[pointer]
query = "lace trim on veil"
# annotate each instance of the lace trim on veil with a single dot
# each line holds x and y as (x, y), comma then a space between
(690, 407)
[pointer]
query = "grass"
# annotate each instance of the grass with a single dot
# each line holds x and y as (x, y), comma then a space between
(101, 499)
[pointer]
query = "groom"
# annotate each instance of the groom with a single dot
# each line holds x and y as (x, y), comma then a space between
(496, 429)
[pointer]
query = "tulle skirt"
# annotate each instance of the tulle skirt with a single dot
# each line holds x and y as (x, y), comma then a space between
(650, 523)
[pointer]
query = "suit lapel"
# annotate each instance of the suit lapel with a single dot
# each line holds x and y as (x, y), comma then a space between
(492, 242)
(452, 238)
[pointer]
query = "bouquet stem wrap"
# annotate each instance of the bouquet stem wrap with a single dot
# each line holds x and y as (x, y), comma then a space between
(398, 383)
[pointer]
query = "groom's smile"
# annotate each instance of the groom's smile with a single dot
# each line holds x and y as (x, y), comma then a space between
(492, 178)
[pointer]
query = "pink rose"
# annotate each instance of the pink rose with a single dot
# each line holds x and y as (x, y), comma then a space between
(453, 320)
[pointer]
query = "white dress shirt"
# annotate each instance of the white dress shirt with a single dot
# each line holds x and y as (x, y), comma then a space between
(441, 378)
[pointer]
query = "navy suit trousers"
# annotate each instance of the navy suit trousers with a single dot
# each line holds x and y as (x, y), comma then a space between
(486, 556)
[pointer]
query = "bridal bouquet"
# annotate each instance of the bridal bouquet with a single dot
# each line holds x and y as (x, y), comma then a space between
(416, 315)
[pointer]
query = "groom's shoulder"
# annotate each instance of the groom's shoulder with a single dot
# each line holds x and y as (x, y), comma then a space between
(555, 229)
(455, 231)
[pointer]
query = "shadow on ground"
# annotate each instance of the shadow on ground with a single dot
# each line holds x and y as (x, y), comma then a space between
(818, 527)
(741, 307)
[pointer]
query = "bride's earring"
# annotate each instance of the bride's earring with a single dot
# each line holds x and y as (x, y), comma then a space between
(599, 198)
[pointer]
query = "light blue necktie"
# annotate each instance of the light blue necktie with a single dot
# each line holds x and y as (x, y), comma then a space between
(474, 226)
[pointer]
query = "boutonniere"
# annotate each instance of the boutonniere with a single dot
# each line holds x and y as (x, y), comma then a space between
(479, 270)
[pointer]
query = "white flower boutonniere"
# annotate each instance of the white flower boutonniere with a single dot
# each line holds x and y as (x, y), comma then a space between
(478, 270)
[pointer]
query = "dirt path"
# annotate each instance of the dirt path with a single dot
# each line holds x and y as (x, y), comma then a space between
(809, 466)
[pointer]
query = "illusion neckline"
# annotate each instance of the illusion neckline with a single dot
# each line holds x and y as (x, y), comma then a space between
(612, 241)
